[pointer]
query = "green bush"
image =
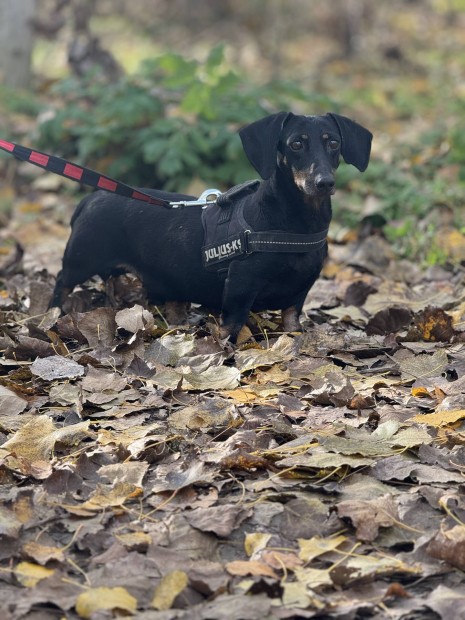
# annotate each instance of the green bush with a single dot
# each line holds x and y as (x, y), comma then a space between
(175, 120)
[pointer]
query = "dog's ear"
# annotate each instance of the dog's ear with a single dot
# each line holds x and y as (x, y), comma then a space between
(260, 141)
(355, 141)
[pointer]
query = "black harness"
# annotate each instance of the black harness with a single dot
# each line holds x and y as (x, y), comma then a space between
(227, 235)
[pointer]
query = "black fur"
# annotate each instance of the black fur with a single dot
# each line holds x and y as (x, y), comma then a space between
(295, 155)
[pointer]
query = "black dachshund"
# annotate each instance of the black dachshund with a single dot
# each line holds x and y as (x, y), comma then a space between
(260, 246)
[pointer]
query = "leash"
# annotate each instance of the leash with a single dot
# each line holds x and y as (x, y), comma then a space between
(89, 177)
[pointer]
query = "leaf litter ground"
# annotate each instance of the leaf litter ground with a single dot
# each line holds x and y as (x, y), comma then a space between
(159, 473)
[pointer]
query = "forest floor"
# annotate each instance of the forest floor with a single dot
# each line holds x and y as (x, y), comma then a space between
(159, 473)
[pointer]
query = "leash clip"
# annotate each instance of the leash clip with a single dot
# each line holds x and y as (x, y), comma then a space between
(209, 196)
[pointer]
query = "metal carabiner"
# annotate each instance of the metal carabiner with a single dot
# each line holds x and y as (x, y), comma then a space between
(209, 196)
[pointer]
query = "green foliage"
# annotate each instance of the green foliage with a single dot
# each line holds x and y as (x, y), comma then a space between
(174, 121)
(18, 102)
(409, 190)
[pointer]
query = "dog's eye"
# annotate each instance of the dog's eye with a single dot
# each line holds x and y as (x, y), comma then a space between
(333, 144)
(296, 145)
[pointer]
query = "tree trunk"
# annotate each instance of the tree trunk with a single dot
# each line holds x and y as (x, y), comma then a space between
(16, 42)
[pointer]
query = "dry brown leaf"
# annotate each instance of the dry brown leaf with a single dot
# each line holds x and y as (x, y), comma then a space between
(43, 553)
(449, 545)
(367, 516)
(241, 568)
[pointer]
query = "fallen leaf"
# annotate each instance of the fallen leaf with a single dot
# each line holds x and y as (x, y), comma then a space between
(449, 545)
(255, 542)
(10, 524)
(313, 578)
(135, 540)
(97, 326)
(108, 497)
(128, 473)
(56, 367)
(215, 413)
(297, 595)
(35, 441)
(29, 574)
(282, 350)
(367, 516)
(134, 319)
(280, 560)
(221, 520)
(170, 348)
(447, 602)
(440, 418)
(432, 325)
(10, 403)
(99, 380)
(358, 567)
(316, 546)
(94, 600)
(241, 568)
(389, 320)
(421, 366)
(171, 585)
(43, 553)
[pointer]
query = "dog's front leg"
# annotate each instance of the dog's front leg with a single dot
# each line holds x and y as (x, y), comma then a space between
(240, 290)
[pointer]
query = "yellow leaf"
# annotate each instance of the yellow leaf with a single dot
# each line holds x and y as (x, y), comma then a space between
(296, 594)
(96, 599)
(420, 392)
(313, 547)
(255, 542)
(168, 589)
(368, 566)
(135, 540)
(105, 497)
(29, 574)
(313, 578)
(30, 207)
(440, 418)
(275, 374)
(252, 394)
(23, 509)
(36, 440)
(452, 243)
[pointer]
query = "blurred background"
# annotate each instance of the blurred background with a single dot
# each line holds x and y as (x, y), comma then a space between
(152, 92)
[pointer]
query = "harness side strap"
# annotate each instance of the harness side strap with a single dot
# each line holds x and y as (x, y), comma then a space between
(284, 242)
(86, 176)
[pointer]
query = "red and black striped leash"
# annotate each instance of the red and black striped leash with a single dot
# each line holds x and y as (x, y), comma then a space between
(86, 176)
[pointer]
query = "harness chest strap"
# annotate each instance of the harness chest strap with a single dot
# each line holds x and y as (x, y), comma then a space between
(248, 241)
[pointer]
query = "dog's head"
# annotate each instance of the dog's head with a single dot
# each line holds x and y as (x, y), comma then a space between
(307, 147)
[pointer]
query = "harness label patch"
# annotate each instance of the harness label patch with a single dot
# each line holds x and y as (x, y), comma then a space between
(222, 251)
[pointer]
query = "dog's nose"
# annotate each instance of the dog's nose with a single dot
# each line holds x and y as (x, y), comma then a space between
(324, 182)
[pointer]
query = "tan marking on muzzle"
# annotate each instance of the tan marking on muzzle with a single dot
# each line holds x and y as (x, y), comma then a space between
(301, 177)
